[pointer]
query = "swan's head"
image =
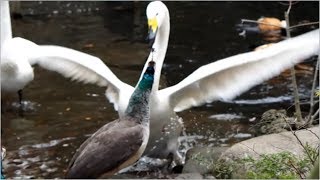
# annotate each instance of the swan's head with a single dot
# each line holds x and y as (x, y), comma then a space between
(156, 13)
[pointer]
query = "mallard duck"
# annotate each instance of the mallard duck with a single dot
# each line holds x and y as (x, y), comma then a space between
(119, 143)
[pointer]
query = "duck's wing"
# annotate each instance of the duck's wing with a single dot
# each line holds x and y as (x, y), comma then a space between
(105, 151)
(73, 64)
(227, 78)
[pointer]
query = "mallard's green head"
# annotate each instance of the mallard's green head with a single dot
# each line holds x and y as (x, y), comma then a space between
(148, 77)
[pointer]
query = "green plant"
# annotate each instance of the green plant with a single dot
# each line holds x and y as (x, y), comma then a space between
(312, 153)
(223, 170)
(201, 160)
(271, 166)
(283, 165)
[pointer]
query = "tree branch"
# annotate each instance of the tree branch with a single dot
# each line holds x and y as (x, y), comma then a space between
(304, 24)
(294, 80)
(300, 142)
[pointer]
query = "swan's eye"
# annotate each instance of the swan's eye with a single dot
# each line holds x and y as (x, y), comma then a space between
(157, 14)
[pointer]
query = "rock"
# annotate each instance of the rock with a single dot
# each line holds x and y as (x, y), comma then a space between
(209, 177)
(273, 143)
(201, 159)
(189, 176)
(269, 144)
(274, 121)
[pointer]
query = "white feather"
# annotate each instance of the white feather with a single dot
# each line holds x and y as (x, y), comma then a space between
(227, 78)
(81, 67)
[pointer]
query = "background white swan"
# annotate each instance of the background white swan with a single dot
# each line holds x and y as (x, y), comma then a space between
(18, 55)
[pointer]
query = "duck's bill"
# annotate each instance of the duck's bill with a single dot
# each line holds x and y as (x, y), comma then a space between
(152, 36)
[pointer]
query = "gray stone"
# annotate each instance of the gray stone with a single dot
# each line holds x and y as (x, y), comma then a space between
(189, 176)
(275, 121)
(273, 143)
(268, 144)
(201, 159)
(209, 177)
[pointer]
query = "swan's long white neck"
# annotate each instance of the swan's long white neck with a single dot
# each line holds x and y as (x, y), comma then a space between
(160, 48)
(6, 32)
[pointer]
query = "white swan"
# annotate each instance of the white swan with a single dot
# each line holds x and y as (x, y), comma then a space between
(18, 55)
(220, 80)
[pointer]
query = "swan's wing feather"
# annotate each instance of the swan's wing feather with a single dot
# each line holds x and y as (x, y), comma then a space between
(227, 78)
(74, 64)
(80, 67)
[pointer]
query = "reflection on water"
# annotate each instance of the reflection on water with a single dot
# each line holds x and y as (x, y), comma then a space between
(63, 114)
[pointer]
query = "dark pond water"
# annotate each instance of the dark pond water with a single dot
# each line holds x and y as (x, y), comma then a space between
(62, 114)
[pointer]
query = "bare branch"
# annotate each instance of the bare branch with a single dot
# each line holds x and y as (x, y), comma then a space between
(294, 80)
(286, 4)
(305, 149)
(302, 175)
(253, 21)
(310, 117)
(298, 171)
(289, 8)
(304, 24)
(314, 115)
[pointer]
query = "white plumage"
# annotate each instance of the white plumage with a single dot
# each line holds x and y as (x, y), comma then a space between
(221, 80)
(227, 78)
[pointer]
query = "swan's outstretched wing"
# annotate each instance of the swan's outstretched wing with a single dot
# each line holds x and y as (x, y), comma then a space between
(81, 67)
(228, 78)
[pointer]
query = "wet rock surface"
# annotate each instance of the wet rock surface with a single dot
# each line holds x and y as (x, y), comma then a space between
(205, 160)
(274, 121)
(268, 144)
(189, 176)
(201, 159)
(274, 143)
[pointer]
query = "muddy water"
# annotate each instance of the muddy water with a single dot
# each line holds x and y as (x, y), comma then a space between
(61, 114)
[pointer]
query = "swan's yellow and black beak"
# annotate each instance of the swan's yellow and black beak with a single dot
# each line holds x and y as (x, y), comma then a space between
(153, 29)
